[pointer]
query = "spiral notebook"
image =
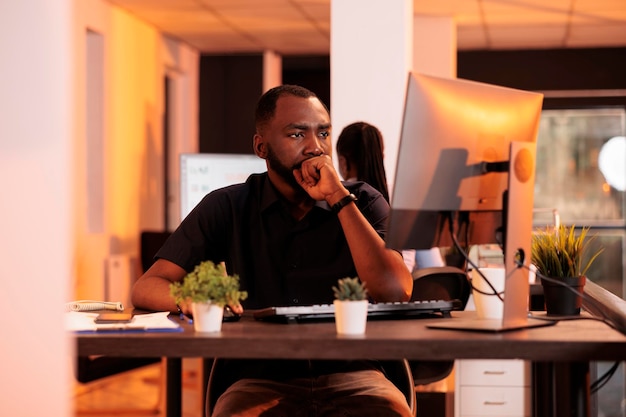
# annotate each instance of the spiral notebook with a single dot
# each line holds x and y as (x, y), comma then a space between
(93, 305)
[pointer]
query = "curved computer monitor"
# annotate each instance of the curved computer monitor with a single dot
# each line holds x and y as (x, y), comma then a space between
(452, 129)
(466, 167)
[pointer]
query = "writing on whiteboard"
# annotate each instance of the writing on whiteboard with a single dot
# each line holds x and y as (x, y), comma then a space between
(201, 173)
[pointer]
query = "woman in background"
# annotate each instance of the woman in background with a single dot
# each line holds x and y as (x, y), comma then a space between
(360, 153)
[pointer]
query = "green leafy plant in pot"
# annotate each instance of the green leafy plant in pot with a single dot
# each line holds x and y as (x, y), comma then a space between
(209, 288)
(350, 306)
(562, 259)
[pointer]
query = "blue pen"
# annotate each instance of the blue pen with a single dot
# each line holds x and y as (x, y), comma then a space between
(183, 317)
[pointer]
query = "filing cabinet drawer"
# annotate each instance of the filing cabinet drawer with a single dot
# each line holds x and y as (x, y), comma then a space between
(494, 401)
(494, 373)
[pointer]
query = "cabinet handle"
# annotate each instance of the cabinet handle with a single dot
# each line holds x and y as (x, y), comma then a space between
(494, 402)
(494, 372)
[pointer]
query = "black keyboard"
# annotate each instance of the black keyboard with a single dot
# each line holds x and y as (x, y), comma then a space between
(389, 311)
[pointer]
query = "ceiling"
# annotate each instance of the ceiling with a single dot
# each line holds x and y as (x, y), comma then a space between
(302, 27)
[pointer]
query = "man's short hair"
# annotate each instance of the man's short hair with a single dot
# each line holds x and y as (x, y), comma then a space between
(266, 106)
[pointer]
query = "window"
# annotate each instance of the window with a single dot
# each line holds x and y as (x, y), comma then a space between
(569, 178)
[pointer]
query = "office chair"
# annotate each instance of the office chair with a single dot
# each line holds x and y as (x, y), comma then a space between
(438, 283)
(150, 242)
(397, 371)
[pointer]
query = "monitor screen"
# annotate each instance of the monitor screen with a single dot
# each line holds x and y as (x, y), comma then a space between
(452, 129)
(201, 173)
(466, 169)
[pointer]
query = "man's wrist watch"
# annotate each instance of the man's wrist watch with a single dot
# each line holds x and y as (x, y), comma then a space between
(336, 208)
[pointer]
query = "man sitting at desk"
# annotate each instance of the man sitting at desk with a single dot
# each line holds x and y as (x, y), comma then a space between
(290, 234)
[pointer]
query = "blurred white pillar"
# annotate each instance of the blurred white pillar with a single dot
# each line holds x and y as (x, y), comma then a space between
(36, 210)
(374, 45)
(370, 55)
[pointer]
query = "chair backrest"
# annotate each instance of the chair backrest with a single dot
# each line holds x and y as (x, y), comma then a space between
(151, 242)
(441, 283)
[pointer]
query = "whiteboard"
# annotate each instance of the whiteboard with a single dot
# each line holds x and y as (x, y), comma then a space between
(201, 173)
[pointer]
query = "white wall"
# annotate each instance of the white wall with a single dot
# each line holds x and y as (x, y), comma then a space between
(136, 58)
(36, 211)
(181, 65)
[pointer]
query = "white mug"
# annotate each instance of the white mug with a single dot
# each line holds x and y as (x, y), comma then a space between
(488, 306)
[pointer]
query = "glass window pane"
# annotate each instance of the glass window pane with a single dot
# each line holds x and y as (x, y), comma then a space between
(569, 178)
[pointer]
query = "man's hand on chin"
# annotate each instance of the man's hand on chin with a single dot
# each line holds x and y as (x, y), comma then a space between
(317, 176)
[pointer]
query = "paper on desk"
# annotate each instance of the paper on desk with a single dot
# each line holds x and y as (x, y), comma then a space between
(84, 322)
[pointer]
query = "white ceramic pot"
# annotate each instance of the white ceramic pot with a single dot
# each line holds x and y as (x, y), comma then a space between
(207, 317)
(350, 316)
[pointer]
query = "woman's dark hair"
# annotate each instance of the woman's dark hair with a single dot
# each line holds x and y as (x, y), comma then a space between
(362, 145)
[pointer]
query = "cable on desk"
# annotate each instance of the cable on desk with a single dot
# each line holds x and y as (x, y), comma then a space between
(604, 319)
(604, 379)
(519, 261)
(458, 247)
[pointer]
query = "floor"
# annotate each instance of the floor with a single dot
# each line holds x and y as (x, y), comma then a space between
(138, 393)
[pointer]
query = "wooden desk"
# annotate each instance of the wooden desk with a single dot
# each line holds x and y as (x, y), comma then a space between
(571, 343)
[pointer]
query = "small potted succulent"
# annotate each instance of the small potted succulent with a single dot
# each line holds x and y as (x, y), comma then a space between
(562, 258)
(209, 288)
(350, 306)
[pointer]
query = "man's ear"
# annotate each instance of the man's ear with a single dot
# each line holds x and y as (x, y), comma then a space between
(260, 149)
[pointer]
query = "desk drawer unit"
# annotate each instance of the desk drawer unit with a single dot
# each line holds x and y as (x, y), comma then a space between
(492, 388)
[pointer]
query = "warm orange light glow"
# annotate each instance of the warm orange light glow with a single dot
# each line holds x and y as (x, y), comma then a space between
(132, 149)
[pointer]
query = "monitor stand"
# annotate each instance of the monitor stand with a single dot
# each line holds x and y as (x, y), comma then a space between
(518, 219)
(488, 325)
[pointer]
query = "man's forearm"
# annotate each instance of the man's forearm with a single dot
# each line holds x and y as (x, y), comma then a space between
(381, 269)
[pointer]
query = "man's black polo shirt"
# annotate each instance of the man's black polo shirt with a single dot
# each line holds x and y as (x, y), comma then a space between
(280, 260)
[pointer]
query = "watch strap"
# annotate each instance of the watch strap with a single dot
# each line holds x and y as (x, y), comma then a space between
(336, 208)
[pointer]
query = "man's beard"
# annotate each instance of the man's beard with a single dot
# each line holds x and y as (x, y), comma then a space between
(283, 171)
